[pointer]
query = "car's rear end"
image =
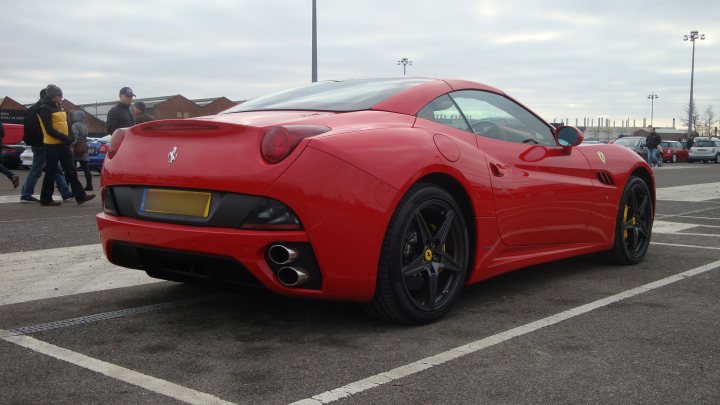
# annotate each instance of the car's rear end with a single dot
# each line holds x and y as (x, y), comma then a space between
(705, 151)
(97, 150)
(12, 146)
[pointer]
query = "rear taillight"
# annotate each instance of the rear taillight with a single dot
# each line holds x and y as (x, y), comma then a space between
(278, 142)
(103, 148)
(116, 141)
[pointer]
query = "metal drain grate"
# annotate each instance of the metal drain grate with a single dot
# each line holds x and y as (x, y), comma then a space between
(26, 330)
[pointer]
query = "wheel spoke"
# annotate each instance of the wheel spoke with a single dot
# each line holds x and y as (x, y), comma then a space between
(442, 234)
(448, 263)
(422, 225)
(432, 285)
(413, 268)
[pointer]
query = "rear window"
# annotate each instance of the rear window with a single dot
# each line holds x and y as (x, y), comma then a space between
(706, 144)
(346, 95)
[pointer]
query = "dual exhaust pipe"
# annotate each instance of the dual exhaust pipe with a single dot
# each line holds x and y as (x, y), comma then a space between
(288, 275)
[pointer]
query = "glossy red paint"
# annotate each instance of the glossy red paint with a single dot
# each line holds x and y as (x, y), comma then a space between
(525, 203)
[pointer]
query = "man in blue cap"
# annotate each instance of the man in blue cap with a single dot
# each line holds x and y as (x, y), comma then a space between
(120, 116)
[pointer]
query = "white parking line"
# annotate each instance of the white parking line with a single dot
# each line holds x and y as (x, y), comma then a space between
(685, 246)
(690, 193)
(478, 345)
(39, 274)
(184, 394)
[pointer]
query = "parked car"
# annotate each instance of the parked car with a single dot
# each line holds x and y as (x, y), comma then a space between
(13, 146)
(26, 157)
(636, 143)
(97, 150)
(673, 151)
(705, 151)
(369, 190)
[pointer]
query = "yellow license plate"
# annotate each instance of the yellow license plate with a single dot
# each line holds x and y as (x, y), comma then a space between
(190, 203)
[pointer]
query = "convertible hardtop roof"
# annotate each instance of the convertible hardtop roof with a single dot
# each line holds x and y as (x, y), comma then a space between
(405, 95)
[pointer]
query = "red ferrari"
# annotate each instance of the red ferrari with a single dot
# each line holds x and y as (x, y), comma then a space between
(394, 192)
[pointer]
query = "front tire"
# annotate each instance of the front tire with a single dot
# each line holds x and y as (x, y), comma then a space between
(633, 225)
(424, 258)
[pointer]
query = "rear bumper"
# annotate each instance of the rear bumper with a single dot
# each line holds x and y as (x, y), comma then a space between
(232, 249)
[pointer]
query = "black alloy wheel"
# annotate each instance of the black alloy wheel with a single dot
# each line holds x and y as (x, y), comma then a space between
(424, 258)
(633, 227)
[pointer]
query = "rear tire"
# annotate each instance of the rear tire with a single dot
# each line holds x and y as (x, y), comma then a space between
(424, 258)
(633, 225)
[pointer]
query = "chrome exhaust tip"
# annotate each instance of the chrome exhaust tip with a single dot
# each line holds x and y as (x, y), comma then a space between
(292, 276)
(280, 254)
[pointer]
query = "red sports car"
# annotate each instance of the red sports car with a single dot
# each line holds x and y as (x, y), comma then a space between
(394, 192)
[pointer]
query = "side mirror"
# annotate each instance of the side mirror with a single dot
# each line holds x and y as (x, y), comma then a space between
(568, 137)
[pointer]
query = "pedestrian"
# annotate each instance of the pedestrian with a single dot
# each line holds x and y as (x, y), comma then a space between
(690, 142)
(141, 114)
(33, 137)
(79, 133)
(56, 137)
(120, 116)
(14, 178)
(652, 141)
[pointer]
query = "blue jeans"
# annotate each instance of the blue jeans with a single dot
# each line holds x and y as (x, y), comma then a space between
(4, 170)
(38, 166)
(652, 157)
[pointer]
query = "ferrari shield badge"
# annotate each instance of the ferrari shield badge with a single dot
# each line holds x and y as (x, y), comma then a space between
(601, 156)
(172, 156)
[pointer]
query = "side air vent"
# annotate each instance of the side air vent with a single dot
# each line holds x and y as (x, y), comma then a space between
(605, 178)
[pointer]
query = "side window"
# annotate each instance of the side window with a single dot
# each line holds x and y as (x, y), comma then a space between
(444, 111)
(494, 116)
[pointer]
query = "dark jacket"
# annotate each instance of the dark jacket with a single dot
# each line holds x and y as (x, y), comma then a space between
(652, 141)
(119, 117)
(54, 123)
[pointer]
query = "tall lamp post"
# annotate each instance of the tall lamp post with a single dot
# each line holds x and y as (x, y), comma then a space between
(314, 44)
(404, 62)
(692, 37)
(652, 97)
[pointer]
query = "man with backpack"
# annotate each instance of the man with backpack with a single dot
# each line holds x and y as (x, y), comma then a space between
(33, 137)
(57, 140)
(652, 141)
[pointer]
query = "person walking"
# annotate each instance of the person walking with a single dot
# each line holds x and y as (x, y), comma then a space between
(141, 115)
(14, 178)
(56, 137)
(120, 116)
(79, 133)
(33, 137)
(652, 141)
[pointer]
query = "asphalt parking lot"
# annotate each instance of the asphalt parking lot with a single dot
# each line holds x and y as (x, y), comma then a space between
(75, 329)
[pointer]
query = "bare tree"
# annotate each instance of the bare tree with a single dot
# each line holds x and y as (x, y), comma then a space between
(708, 122)
(695, 117)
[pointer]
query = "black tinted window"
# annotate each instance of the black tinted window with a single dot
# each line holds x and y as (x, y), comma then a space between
(347, 95)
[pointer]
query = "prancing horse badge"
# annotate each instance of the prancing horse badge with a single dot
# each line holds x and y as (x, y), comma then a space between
(601, 156)
(172, 156)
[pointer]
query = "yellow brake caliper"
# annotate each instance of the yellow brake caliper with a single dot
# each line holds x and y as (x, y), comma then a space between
(625, 217)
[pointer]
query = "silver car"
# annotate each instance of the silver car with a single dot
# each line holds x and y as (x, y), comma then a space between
(705, 150)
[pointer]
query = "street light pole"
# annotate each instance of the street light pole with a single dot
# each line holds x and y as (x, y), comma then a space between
(692, 37)
(314, 43)
(652, 98)
(404, 62)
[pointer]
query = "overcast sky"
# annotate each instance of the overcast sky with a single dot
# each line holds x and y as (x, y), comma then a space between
(563, 59)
